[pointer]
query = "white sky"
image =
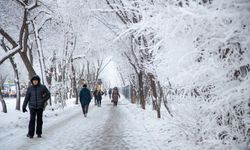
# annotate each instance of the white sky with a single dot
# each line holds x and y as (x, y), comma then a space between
(110, 75)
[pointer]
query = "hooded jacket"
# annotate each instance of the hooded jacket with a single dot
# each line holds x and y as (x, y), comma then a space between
(115, 94)
(85, 96)
(36, 95)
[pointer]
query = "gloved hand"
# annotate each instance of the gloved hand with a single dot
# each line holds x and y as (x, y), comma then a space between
(24, 110)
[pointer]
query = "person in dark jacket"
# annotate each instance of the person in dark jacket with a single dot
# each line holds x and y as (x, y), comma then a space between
(99, 94)
(95, 94)
(110, 93)
(115, 96)
(85, 98)
(36, 96)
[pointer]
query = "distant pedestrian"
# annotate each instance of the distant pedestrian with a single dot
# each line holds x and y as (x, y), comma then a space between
(95, 95)
(105, 92)
(85, 98)
(36, 95)
(99, 94)
(110, 93)
(115, 96)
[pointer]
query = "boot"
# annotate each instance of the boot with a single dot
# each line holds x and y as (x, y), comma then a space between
(29, 136)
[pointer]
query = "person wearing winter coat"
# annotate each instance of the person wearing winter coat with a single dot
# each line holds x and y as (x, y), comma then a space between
(110, 92)
(98, 95)
(36, 96)
(95, 94)
(115, 96)
(85, 98)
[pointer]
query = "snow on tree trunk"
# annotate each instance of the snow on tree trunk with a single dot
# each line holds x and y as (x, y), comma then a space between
(141, 91)
(3, 102)
(74, 84)
(155, 97)
(14, 66)
(40, 54)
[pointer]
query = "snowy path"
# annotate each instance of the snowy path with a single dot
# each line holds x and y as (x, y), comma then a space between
(105, 128)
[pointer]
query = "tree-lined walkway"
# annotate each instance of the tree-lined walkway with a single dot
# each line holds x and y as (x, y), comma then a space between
(105, 128)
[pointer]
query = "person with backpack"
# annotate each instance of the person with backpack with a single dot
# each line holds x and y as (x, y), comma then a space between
(36, 96)
(85, 98)
(115, 96)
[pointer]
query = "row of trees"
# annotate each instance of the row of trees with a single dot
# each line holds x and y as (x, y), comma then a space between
(194, 57)
(64, 66)
(190, 55)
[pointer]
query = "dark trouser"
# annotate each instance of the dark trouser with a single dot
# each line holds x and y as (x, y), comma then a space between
(35, 115)
(85, 108)
(99, 102)
(115, 103)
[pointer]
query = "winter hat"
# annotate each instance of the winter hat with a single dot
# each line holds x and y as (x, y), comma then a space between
(35, 77)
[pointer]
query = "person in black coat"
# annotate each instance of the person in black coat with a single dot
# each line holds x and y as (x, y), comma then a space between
(99, 94)
(85, 98)
(110, 93)
(36, 96)
(95, 94)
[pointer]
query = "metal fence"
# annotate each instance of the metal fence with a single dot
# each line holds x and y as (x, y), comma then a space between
(126, 91)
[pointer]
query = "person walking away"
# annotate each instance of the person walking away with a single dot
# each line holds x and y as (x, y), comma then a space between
(95, 95)
(85, 98)
(115, 96)
(36, 96)
(99, 97)
(110, 93)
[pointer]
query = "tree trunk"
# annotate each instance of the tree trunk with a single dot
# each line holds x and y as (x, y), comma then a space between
(18, 98)
(3, 102)
(23, 53)
(28, 65)
(75, 91)
(14, 66)
(40, 54)
(88, 73)
(141, 91)
(49, 79)
(154, 94)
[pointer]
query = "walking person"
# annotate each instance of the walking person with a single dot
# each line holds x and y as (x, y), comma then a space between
(85, 98)
(99, 97)
(36, 96)
(115, 96)
(110, 93)
(95, 94)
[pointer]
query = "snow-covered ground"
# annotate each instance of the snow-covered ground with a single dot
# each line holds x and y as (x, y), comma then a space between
(107, 127)
(126, 127)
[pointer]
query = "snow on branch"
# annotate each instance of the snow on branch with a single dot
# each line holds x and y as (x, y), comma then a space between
(33, 5)
(131, 63)
(10, 53)
(8, 37)
(104, 66)
(78, 57)
(43, 22)
(22, 3)
(29, 7)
